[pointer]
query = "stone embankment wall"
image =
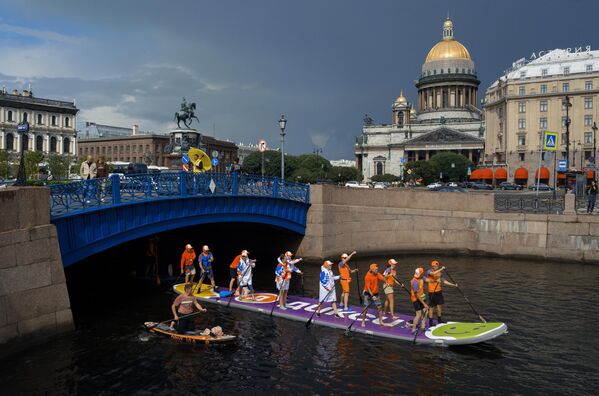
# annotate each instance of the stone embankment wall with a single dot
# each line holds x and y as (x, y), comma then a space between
(34, 301)
(379, 221)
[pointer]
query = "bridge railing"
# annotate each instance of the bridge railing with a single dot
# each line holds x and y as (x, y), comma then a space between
(71, 196)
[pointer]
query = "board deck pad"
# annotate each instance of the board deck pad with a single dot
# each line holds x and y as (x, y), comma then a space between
(301, 308)
(164, 329)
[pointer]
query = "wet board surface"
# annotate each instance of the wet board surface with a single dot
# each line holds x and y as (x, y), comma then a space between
(301, 308)
(189, 337)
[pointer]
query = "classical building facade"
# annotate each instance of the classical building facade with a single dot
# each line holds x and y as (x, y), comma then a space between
(447, 117)
(51, 123)
(529, 99)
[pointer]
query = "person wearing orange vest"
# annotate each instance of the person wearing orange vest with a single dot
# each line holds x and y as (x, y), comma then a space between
(233, 271)
(435, 280)
(371, 292)
(345, 273)
(187, 258)
(389, 275)
(418, 299)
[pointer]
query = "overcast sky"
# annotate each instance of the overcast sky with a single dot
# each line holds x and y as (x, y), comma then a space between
(324, 64)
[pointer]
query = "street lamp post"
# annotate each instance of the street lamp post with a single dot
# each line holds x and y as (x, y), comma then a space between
(23, 129)
(282, 125)
(594, 128)
(566, 102)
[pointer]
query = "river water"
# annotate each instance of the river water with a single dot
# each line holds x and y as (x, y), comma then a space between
(551, 347)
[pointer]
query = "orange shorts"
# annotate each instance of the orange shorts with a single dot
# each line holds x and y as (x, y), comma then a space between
(345, 285)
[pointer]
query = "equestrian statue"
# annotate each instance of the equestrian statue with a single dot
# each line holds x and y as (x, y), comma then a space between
(185, 114)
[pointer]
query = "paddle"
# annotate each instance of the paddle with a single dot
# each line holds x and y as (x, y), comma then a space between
(357, 317)
(309, 322)
(466, 298)
(171, 319)
(424, 314)
(277, 299)
(240, 288)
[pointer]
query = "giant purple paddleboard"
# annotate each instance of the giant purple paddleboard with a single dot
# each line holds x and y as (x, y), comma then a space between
(301, 308)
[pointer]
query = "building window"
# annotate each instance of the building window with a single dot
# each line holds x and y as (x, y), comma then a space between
(521, 123)
(522, 74)
(543, 122)
(588, 137)
(589, 68)
(379, 168)
(52, 144)
(522, 91)
(134, 148)
(121, 149)
(543, 72)
(522, 107)
(565, 87)
(66, 145)
(67, 122)
(25, 117)
(39, 143)
(566, 70)
(109, 150)
(543, 105)
(127, 149)
(53, 120)
(543, 88)
(588, 85)
(9, 116)
(588, 120)
(10, 141)
(103, 150)
(521, 140)
(522, 156)
(588, 103)
(40, 119)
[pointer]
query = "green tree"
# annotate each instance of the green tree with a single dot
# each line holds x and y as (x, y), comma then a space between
(342, 174)
(387, 177)
(58, 165)
(426, 170)
(32, 161)
(453, 166)
(252, 164)
(4, 164)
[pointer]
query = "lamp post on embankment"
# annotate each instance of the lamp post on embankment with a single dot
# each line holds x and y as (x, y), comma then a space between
(282, 125)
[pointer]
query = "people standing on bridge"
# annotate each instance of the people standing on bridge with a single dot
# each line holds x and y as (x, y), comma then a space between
(183, 305)
(371, 292)
(389, 274)
(244, 272)
(592, 197)
(187, 259)
(435, 280)
(285, 267)
(418, 299)
(327, 292)
(102, 172)
(87, 171)
(205, 260)
(345, 273)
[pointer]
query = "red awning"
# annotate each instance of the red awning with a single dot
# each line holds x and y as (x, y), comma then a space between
(590, 174)
(475, 175)
(544, 173)
(521, 173)
(501, 174)
(486, 173)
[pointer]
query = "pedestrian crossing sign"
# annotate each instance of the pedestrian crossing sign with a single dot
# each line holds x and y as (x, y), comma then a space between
(550, 141)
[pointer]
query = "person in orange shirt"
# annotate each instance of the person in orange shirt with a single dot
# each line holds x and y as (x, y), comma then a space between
(435, 280)
(187, 258)
(371, 292)
(389, 275)
(345, 273)
(418, 299)
(233, 271)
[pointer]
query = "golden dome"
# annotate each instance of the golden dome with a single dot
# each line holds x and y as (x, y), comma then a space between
(401, 98)
(448, 48)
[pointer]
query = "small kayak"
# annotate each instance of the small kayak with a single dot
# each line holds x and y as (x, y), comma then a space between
(193, 336)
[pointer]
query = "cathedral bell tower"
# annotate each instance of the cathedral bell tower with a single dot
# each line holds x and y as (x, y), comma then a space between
(401, 111)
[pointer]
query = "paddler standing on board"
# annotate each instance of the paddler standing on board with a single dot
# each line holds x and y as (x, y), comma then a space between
(205, 260)
(371, 293)
(244, 272)
(345, 273)
(187, 258)
(183, 305)
(418, 299)
(285, 266)
(435, 281)
(390, 276)
(233, 272)
(327, 288)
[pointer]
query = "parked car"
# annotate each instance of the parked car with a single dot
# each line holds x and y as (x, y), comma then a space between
(380, 185)
(355, 184)
(448, 189)
(465, 184)
(509, 186)
(540, 187)
(453, 184)
(434, 185)
(481, 186)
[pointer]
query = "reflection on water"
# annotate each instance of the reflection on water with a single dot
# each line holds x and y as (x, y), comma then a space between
(550, 348)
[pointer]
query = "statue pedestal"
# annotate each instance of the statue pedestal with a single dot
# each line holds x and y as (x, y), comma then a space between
(181, 140)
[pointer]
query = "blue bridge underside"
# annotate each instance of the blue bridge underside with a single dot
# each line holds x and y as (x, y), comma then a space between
(82, 234)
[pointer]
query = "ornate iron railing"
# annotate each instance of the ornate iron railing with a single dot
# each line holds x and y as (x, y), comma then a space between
(529, 203)
(68, 197)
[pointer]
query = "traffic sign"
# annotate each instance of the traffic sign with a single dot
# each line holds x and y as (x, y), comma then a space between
(214, 161)
(262, 145)
(214, 154)
(402, 160)
(23, 127)
(562, 165)
(550, 141)
(409, 171)
(186, 167)
(185, 159)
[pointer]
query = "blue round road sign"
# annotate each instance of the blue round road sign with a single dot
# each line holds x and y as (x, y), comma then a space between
(214, 161)
(185, 159)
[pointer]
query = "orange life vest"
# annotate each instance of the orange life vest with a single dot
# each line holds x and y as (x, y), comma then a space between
(434, 283)
(420, 289)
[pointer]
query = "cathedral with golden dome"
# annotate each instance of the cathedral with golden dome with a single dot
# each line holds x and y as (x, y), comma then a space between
(445, 116)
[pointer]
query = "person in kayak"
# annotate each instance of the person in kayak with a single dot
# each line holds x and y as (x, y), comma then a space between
(418, 299)
(371, 292)
(244, 272)
(389, 274)
(205, 260)
(285, 266)
(327, 292)
(345, 273)
(435, 280)
(183, 305)
(187, 258)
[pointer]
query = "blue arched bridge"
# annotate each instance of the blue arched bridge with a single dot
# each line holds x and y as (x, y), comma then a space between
(94, 215)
